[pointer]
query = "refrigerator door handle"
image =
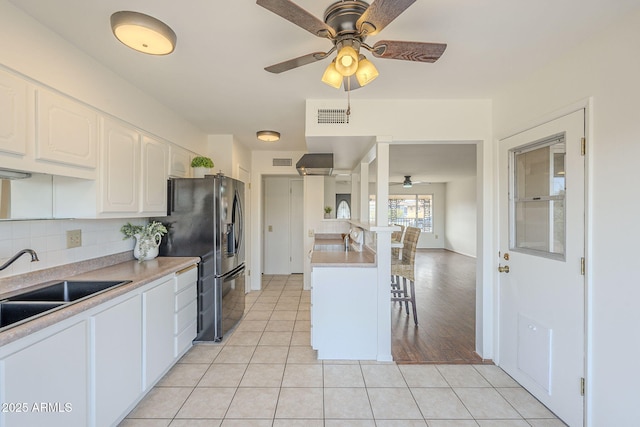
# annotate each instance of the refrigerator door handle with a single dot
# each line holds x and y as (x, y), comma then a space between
(170, 197)
(234, 274)
(237, 218)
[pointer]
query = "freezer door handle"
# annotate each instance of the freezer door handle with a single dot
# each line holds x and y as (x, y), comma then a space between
(234, 274)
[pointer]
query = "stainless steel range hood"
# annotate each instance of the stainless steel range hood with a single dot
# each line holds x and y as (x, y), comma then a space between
(315, 164)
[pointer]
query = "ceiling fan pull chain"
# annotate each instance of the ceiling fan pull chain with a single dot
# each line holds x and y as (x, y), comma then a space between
(348, 95)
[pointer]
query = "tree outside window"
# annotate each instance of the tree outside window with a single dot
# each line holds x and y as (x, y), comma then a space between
(412, 211)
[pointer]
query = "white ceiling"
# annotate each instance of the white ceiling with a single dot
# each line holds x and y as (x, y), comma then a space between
(215, 77)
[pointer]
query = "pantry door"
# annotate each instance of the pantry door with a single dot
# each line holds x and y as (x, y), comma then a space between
(542, 247)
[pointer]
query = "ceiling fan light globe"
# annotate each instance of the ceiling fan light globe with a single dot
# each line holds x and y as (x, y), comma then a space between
(347, 61)
(367, 72)
(331, 76)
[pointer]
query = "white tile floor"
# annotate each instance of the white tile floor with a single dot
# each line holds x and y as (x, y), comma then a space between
(266, 374)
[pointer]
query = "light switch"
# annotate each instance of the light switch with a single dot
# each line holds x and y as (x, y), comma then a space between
(270, 228)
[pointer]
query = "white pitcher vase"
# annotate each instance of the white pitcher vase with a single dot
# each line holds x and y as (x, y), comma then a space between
(146, 248)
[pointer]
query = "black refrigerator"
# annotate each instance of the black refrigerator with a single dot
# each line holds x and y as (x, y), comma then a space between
(205, 219)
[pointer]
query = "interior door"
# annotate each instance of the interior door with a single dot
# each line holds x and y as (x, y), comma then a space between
(542, 241)
(296, 226)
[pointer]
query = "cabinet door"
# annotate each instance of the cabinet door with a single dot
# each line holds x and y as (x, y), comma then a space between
(158, 310)
(118, 360)
(120, 168)
(180, 162)
(155, 156)
(13, 114)
(49, 380)
(66, 131)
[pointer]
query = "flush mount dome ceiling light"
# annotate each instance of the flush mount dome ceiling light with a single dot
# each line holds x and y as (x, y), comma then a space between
(143, 33)
(268, 135)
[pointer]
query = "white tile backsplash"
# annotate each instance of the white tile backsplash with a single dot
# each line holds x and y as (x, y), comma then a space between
(48, 238)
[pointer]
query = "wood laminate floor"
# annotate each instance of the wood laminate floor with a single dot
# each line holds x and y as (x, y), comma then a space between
(445, 297)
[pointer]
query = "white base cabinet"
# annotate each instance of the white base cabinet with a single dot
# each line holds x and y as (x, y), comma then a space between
(93, 368)
(344, 313)
(45, 383)
(157, 315)
(117, 350)
(186, 310)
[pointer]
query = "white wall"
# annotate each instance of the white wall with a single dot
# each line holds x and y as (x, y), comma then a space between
(228, 155)
(606, 68)
(461, 216)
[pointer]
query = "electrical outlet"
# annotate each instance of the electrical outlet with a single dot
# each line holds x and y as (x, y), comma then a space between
(436, 236)
(310, 232)
(74, 238)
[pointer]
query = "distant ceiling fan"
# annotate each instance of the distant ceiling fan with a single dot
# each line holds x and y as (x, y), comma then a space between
(407, 183)
(347, 24)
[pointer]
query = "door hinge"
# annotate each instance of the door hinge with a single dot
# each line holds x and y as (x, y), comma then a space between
(582, 266)
(582, 386)
(583, 146)
(248, 186)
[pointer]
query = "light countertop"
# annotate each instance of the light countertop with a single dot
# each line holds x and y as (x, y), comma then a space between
(329, 252)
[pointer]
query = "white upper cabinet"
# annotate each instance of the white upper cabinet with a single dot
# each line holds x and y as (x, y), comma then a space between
(13, 114)
(180, 162)
(155, 157)
(120, 181)
(66, 131)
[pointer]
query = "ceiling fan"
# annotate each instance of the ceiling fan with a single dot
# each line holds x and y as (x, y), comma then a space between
(407, 183)
(347, 24)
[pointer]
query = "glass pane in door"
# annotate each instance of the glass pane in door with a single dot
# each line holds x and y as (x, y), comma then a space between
(537, 200)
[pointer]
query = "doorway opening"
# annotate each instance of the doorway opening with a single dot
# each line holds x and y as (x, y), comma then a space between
(446, 262)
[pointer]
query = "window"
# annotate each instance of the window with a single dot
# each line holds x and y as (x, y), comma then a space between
(538, 198)
(343, 206)
(412, 211)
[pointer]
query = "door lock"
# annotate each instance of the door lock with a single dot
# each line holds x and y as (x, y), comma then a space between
(504, 269)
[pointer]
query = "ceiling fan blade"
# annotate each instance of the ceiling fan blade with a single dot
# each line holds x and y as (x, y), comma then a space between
(296, 62)
(408, 51)
(294, 13)
(380, 13)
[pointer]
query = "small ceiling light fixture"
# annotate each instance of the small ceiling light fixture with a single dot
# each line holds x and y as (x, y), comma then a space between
(143, 33)
(407, 182)
(268, 135)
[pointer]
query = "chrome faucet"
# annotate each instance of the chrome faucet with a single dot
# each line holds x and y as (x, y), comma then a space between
(34, 257)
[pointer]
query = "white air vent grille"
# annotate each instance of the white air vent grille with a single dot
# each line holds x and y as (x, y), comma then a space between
(332, 116)
(282, 162)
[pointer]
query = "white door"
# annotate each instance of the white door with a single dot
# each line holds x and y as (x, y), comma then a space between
(297, 227)
(276, 225)
(542, 241)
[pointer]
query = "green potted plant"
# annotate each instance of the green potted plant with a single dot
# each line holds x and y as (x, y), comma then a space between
(201, 166)
(327, 211)
(148, 238)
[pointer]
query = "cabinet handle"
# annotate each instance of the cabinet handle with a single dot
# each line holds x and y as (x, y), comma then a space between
(184, 270)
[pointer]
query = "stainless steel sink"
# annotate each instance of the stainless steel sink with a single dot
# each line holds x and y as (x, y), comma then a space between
(14, 312)
(68, 291)
(29, 305)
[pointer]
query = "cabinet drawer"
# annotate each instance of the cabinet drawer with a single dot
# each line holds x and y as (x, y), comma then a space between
(185, 316)
(183, 340)
(186, 277)
(185, 297)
